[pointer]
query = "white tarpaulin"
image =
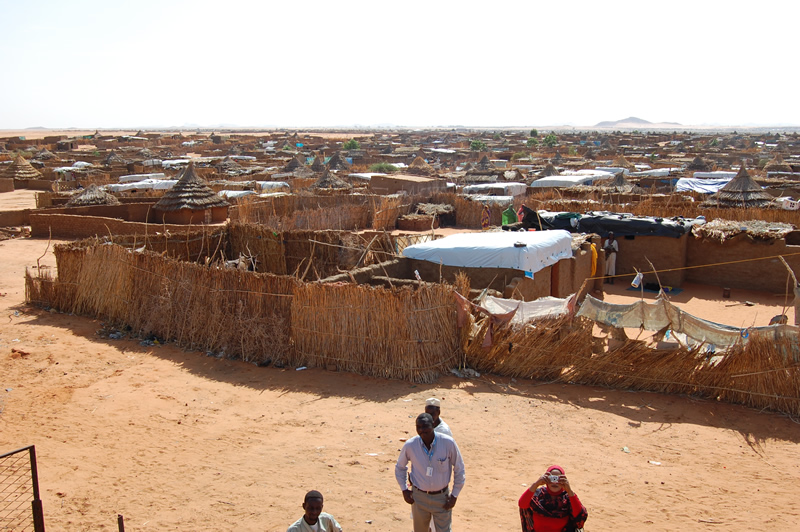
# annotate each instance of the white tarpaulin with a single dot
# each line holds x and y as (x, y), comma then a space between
(719, 174)
(663, 314)
(526, 251)
(705, 186)
(544, 307)
(580, 177)
(133, 178)
(147, 184)
(236, 193)
(508, 189)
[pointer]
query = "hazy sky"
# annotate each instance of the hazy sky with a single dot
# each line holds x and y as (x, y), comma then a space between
(116, 63)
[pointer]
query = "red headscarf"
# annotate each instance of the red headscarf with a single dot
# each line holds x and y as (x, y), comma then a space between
(556, 467)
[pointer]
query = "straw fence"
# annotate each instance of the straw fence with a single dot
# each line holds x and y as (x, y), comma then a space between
(405, 333)
(260, 318)
(659, 206)
(763, 374)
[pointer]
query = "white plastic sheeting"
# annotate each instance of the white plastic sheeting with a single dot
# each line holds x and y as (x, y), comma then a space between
(236, 193)
(569, 180)
(613, 169)
(544, 307)
(662, 314)
(272, 185)
(133, 178)
(509, 189)
(706, 186)
(147, 184)
(714, 175)
(656, 172)
(491, 200)
(538, 249)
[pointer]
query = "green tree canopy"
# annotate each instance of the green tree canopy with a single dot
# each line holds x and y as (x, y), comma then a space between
(351, 144)
(534, 133)
(532, 142)
(550, 140)
(477, 145)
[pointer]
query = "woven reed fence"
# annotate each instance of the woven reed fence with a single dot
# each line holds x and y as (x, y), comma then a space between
(763, 374)
(241, 314)
(401, 333)
(658, 206)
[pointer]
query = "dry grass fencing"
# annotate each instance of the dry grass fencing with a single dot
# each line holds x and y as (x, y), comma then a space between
(405, 333)
(656, 206)
(400, 333)
(763, 374)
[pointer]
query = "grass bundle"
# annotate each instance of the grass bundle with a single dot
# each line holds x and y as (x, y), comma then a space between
(405, 333)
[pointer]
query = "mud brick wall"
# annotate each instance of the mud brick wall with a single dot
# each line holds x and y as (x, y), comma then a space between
(74, 227)
(768, 275)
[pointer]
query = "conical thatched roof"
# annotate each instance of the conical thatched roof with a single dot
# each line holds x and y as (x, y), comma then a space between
(92, 195)
(485, 164)
(294, 163)
(147, 154)
(317, 165)
(742, 191)
(698, 165)
(227, 165)
(548, 171)
(620, 184)
(21, 169)
(337, 162)
(419, 167)
(113, 158)
(45, 155)
(190, 192)
(622, 162)
(777, 165)
(589, 155)
(330, 180)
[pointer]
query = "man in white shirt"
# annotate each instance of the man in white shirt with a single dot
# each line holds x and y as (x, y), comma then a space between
(434, 458)
(432, 407)
(611, 247)
(314, 520)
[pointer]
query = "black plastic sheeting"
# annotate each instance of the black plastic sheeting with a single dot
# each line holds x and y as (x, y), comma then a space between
(620, 224)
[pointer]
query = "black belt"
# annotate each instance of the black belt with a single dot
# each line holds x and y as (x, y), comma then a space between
(436, 492)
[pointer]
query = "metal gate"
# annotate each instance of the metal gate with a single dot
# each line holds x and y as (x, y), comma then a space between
(20, 506)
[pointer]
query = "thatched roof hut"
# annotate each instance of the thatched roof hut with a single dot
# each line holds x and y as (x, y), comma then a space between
(45, 155)
(293, 164)
(337, 162)
(777, 165)
(21, 169)
(621, 162)
(228, 166)
(191, 200)
(621, 185)
(548, 171)
(92, 195)
(419, 167)
(485, 164)
(113, 158)
(146, 153)
(699, 165)
(317, 165)
(742, 191)
(557, 158)
(331, 180)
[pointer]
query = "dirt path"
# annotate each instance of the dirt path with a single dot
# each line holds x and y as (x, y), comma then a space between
(177, 440)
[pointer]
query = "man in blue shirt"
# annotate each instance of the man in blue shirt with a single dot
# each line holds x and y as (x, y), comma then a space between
(434, 458)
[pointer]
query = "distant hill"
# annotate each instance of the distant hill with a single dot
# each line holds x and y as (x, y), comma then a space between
(632, 123)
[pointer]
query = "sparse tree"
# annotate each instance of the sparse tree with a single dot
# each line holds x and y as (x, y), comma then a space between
(550, 140)
(351, 144)
(534, 133)
(532, 142)
(477, 145)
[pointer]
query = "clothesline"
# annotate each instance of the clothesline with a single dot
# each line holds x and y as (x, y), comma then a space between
(697, 266)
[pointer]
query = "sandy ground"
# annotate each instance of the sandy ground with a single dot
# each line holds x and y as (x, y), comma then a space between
(177, 440)
(18, 200)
